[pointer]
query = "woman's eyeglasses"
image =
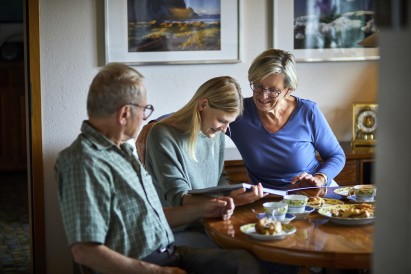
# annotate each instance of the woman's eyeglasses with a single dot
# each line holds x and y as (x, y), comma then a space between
(272, 92)
(147, 110)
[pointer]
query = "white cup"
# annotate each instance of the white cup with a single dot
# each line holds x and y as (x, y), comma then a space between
(296, 203)
(365, 193)
(276, 209)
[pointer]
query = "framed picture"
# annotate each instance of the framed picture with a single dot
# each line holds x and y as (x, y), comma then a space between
(326, 30)
(171, 32)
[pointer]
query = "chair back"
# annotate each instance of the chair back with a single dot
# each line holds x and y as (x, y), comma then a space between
(84, 269)
(142, 139)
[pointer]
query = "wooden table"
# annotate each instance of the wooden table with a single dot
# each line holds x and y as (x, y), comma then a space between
(317, 241)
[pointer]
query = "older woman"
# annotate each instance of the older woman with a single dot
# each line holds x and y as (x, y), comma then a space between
(279, 134)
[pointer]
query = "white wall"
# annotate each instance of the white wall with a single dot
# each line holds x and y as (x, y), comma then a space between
(71, 39)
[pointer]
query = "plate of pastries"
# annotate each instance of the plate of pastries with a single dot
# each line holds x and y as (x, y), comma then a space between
(317, 202)
(268, 229)
(349, 214)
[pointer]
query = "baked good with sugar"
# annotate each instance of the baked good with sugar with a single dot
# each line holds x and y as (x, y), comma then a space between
(268, 226)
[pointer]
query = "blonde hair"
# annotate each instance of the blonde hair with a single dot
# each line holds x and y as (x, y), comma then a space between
(223, 93)
(274, 61)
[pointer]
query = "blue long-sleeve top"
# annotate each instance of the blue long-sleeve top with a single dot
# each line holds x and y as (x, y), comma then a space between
(275, 158)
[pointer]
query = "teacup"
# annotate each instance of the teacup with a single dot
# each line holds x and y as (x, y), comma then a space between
(365, 193)
(276, 209)
(296, 203)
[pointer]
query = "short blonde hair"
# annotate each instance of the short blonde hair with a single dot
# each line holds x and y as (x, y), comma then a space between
(274, 61)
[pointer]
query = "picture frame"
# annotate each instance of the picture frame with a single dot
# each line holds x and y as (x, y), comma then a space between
(290, 33)
(123, 42)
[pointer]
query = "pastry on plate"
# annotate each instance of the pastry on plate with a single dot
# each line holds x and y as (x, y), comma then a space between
(268, 226)
(315, 201)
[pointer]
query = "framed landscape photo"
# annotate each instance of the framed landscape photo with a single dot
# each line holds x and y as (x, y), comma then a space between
(172, 32)
(326, 30)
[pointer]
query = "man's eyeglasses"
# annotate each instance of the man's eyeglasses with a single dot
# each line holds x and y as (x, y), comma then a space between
(272, 92)
(147, 110)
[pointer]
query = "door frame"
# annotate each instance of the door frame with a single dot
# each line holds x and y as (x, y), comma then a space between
(34, 136)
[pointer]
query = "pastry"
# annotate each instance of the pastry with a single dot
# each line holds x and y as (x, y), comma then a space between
(268, 226)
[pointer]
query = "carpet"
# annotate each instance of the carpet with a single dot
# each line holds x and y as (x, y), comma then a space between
(14, 224)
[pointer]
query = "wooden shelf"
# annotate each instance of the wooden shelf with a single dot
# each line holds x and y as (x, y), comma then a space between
(358, 168)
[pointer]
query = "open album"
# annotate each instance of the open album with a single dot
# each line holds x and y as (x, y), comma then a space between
(226, 189)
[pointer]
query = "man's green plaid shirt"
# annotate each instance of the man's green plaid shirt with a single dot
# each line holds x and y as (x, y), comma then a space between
(107, 197)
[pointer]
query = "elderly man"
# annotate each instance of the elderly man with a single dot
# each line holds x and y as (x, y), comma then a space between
(111, 212)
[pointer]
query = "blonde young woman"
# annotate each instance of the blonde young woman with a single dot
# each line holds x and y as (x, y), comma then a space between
(186, 151)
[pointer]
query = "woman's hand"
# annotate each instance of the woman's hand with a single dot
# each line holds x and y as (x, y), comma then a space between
(221, 207)
(206, 207)
(244, 196)
(307, 180)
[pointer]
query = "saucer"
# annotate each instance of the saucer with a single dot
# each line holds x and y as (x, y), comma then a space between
(288, 218)
(303, 215)
(354, 198)
(249, 229)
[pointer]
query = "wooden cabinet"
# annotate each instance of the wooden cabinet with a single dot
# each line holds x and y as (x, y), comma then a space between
(236, 170)
(12, 117)
(357, 170)
(358, 167)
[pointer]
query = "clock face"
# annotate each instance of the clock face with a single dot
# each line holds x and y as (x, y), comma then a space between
(364, 125)
(367, 121)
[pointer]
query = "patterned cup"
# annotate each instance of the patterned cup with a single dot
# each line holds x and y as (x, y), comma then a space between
(365, 193)
(296, 203)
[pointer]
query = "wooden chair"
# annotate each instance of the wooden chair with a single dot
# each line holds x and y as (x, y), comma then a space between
(142, 139)
(84, 269)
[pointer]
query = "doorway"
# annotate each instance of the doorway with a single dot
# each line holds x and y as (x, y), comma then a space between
(15, 254)
(20, 131)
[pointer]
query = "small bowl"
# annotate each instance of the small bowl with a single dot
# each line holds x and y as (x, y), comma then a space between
(276, 209)
(296, 203)
(365, 193)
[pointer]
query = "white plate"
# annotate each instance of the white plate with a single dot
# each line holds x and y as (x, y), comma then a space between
(344, 191)
(326, 211)
(353, 198)
(288, 217)
(303, 215)
(249, 229)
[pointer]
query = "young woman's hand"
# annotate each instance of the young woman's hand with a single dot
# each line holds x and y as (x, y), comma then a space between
(244, 196)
